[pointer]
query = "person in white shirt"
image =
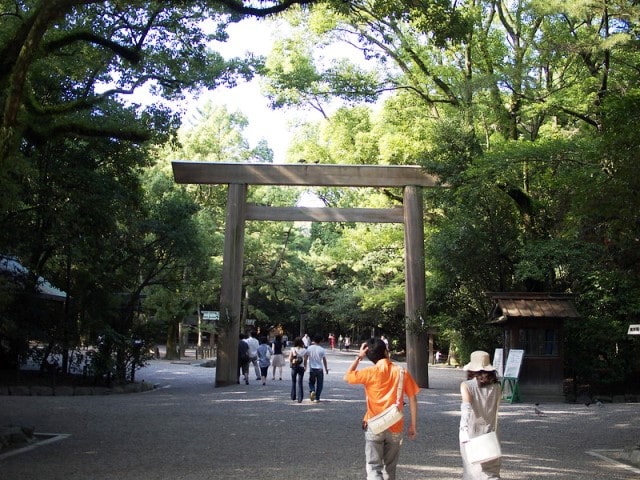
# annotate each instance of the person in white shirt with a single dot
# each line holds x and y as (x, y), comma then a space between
(317, 360)
(253, 352)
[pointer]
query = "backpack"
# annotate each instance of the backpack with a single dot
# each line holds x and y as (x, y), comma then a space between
(243, 352)
(296, 361)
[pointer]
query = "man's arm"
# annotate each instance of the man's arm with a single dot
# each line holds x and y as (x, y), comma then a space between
(361, 354)
(326, 367)
(413, 408)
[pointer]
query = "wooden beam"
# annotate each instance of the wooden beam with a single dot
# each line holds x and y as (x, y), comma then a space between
(322, 214)
(301, 174)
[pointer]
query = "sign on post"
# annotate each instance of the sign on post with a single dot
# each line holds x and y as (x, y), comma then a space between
(498, 361)
(210, 315)
(633, 330)
(510, 389)
(514, 360)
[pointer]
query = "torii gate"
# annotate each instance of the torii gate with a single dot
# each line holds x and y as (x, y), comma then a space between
(239, 175)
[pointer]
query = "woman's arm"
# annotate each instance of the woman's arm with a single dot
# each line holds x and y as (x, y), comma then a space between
(465, 393)
(465, 413)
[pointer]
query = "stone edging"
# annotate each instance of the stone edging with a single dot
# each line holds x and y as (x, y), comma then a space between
(67, 391)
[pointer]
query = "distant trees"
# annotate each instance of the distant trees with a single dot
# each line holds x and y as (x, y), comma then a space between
(73, 202)
(525, 110)
(518, 107)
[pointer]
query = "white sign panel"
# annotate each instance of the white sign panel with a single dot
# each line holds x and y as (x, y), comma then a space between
(633, 330)
(498, 361)
(514, 361)
(210, 315)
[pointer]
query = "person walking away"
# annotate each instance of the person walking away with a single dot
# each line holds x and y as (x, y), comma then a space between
(277, 361)
(243, 359)
(480, 395)
(317, 361)
(306, 340)
(438, 357)
(264, 359)
(381, 382)
(347, 343)
(253, 352)
(297, 362)
(332, 341)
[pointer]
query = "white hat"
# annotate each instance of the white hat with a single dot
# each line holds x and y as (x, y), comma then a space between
(480, 361)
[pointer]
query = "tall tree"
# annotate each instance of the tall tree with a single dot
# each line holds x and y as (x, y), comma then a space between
(519, 98)
(122, 47)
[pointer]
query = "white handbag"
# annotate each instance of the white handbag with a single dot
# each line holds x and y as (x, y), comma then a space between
(485, 447)
(390, 416)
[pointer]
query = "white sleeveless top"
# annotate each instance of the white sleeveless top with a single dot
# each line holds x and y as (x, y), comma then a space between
(485, 406)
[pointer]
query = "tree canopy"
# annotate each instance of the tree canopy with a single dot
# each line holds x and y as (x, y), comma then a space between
(516, 106)
(525, 110)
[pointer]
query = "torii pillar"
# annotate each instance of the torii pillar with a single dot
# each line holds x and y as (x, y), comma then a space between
(238, 176)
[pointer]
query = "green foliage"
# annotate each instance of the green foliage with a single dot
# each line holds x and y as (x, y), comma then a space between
(215, 135)
(526, 111)
(69, 66)
(346, 137)
(117, 357)
(294, 76)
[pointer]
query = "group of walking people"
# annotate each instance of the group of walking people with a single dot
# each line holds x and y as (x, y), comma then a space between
(260, 354)
(386, 386)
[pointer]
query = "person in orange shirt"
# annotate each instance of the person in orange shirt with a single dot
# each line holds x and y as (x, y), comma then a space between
(380, 382)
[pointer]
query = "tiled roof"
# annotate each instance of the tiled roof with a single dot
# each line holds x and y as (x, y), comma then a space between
(531, 305)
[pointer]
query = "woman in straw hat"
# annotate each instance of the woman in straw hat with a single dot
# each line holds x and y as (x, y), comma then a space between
(481, 394)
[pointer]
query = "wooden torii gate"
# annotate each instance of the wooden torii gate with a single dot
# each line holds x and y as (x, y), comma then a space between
(238, 176)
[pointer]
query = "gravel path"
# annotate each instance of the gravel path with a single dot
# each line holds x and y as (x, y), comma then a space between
(188, 430)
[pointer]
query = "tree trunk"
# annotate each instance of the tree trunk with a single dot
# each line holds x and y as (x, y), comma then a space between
(172, 347)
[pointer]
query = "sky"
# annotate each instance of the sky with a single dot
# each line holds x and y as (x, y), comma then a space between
(257, 37)
(264, 123)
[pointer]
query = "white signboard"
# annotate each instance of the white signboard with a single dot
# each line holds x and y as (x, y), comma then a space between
(498, 361)
(210, 315)
(633, 330)
(514, 361)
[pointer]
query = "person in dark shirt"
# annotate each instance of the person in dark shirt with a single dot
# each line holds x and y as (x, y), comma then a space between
(243, 359)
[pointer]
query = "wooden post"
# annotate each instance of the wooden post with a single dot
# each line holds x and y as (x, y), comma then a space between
(231, 288)
(415, 289)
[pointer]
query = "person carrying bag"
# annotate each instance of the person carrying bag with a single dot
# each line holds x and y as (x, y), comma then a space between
(385, 387)
(479, 444)
(389, 416)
